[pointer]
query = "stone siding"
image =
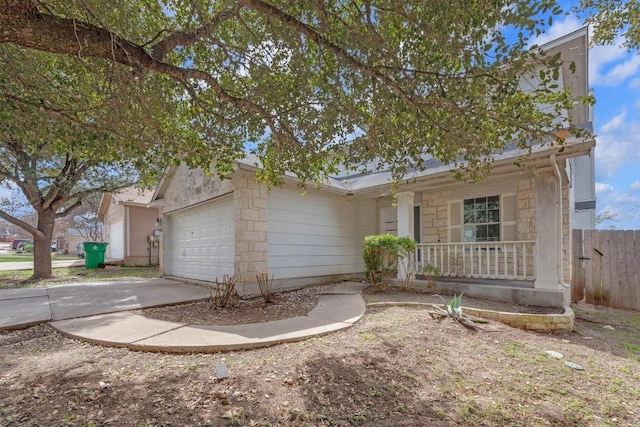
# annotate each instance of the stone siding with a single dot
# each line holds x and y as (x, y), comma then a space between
(527, 209)
(250, 228)
(435, 217)
(192, 186)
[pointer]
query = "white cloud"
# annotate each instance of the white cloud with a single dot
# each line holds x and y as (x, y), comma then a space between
(617, 74)
(559, 28)
(614, 124)
(617, 146)
(634, 83)
(635, 186)
(625, 208)
(599, 57)
(602, 187)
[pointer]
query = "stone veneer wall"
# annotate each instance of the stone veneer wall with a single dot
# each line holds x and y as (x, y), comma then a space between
(527, 209)
(191, 186)
(250, 228)
(435, 214)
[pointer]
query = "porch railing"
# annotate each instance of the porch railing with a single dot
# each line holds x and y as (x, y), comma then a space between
(487, 260)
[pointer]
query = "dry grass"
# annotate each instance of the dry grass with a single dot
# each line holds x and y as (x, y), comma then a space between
(65, 275)
(396, 367)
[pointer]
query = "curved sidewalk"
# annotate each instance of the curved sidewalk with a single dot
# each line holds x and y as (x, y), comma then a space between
(338, 308)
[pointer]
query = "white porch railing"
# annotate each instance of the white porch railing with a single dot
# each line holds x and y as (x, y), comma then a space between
(486, 260)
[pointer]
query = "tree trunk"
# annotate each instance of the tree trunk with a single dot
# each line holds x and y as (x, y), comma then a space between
(42, 244)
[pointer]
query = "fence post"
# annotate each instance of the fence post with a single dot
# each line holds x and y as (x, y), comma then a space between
(577, 267)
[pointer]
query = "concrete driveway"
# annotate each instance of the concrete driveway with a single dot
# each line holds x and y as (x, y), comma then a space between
(21, 308)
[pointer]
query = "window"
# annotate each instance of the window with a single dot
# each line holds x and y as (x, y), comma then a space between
(482, 219)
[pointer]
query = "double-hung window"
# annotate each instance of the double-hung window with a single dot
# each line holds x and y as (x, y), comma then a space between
(482, 219)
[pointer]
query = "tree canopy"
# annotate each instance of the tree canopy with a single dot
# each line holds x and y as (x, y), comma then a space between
(65, 137)
(612, 21)
(305, 86)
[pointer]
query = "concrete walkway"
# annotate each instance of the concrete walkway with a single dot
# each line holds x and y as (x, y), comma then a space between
(76, 312)
(21, 308)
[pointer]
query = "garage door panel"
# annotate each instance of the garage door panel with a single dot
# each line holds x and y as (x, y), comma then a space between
(201, 246)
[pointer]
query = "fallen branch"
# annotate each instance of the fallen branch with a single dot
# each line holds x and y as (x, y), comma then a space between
(454, 311)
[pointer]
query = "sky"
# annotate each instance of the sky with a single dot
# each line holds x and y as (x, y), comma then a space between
(614, 76)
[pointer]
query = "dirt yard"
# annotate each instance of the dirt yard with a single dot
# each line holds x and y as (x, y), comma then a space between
(396, 367)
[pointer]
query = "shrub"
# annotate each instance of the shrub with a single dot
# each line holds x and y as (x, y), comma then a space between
(225, 292)
(432, 273)
(266, 286)
(381, 253)
(27, 248)
(406, 257)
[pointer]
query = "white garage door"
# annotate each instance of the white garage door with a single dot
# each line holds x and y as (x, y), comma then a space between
(200, 243)
(116, 240)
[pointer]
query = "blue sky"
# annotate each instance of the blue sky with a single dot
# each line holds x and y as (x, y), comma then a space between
(614, 75)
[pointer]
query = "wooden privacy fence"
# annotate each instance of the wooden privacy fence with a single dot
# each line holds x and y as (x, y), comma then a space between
(605, 268)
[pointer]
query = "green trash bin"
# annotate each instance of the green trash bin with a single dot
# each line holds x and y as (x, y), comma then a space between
(94, 254)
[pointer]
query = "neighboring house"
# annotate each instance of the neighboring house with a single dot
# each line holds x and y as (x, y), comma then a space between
(513, 229)
(68, 244)
(129, 226)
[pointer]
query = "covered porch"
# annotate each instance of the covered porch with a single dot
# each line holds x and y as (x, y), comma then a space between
(513, 251)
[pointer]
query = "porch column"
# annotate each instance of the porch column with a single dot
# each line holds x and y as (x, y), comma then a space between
(405, 223)
(546, 231)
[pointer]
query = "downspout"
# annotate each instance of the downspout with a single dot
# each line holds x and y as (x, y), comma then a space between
(560, 266)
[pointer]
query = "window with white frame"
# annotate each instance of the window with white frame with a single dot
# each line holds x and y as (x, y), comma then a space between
(481, 219)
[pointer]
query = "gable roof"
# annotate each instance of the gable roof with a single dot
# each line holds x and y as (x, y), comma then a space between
(129, 196)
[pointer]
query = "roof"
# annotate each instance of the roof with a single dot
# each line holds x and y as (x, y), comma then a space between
(132, 195)
(572, 147)
(129, 196)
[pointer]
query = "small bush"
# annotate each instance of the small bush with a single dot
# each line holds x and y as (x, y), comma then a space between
(381, 253)
(225, 290)
(266, 286)
(432, 273)
(27, 248)
(406, 257)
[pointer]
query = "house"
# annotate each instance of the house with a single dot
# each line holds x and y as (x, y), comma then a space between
(505, 238)
(68, 243)
(130, 226)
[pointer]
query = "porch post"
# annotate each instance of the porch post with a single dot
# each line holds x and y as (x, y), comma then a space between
(405, 222)
(546, 231)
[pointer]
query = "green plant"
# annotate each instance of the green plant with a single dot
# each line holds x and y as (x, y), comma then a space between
(25, 248)
(380, 254)
(432, 274)
(406, 260)
(266, 286)
(384, 254)
(454, 311)
(225, 291)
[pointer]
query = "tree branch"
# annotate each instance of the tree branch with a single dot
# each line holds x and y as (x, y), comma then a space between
(18, 222)
(188, 38)
(26, 27)
(69, 209)
(59, 114)
(321, 40)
